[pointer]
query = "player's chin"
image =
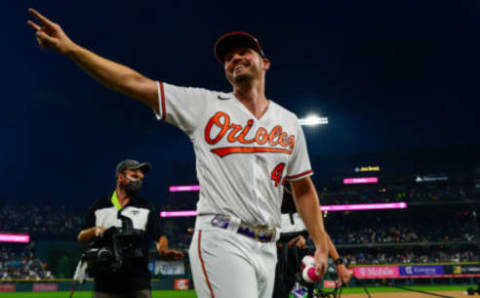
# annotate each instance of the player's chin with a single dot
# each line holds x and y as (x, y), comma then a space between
(242, 78)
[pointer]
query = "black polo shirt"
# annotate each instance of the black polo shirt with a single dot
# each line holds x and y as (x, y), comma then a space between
(135, 275)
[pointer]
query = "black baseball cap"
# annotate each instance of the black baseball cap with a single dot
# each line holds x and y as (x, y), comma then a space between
(234, 39)
(131, 164)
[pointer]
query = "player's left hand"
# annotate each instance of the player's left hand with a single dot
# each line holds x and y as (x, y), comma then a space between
(49, 34)
(321, 262)
(344, 275)
(171, 255)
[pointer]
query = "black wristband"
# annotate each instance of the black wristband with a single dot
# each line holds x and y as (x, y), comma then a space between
(339, 261)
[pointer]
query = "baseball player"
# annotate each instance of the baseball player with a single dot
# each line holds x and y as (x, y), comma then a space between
(247, 147)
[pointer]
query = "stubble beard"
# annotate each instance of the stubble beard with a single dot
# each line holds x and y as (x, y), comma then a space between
(243, 78)
(247, 77)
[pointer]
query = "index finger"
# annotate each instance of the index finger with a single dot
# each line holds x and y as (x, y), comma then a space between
(45, 21)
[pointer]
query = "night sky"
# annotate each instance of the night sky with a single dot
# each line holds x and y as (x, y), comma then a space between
(389, 75)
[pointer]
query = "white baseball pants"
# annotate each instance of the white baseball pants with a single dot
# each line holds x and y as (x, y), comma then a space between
(230, 265)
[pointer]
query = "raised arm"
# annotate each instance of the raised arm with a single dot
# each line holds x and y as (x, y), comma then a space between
(111, 74)
(308, 206)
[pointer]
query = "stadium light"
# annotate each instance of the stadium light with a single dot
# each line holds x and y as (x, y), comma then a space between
(348, 207)
(313, 120)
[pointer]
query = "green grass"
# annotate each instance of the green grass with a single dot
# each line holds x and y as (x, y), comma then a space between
(191, 294)
(438, 288)
(156, 294)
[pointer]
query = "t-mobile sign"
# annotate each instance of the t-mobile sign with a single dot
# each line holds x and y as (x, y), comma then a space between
(374, 272)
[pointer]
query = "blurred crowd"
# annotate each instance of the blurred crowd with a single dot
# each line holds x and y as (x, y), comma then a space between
(416, 226)
(181, 237)
(398, 193)
(409, 257)
(361, 194)
(44, 221)
(23, 264)
(402, 233)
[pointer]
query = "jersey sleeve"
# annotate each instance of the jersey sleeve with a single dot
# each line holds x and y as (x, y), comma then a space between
(182, 107)
(299, 164)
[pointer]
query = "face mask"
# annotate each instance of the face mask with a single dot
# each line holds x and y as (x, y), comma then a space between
(133, 187)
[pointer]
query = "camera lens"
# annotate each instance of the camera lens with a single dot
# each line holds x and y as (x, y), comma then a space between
(104, 255)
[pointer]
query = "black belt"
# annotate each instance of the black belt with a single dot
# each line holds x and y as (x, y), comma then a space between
(259, 233)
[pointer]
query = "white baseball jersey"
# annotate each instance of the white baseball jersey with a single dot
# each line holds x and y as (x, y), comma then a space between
(241, 162)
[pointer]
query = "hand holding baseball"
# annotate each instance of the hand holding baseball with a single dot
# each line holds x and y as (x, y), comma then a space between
(49, 34)
(309, 273)
(321, 262)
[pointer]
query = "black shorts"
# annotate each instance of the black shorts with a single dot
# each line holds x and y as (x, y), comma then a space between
(289, 261)
(120, 284)
(132, 294)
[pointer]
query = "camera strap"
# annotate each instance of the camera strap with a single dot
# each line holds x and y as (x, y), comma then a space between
(115, 201)
(80, 274)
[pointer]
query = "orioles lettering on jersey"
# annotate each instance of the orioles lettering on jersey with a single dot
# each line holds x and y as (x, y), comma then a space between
(276, 137)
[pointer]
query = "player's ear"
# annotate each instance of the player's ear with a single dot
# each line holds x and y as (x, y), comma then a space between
(266, 63)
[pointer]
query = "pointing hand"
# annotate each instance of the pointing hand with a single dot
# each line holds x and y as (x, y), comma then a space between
(49, 34)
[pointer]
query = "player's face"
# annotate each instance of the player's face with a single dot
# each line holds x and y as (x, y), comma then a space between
(243, 64)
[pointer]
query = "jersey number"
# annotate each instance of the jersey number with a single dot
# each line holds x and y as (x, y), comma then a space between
(277, 173)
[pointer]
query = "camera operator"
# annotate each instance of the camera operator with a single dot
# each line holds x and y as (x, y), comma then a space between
(292, 247)
(119, 227)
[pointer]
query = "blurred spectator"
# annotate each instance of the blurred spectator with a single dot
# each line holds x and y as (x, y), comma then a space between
(40, 220)
(408, 257)
(18, 263)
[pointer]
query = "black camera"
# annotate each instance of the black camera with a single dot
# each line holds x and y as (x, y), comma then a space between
(117, 246)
